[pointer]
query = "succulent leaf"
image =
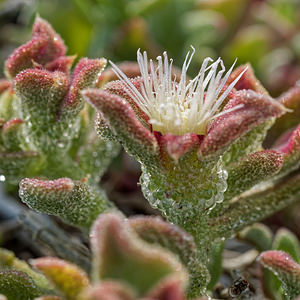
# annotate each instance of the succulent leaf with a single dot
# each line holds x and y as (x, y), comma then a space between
(254, 207)
(155, 230)
(287, 270)
(289, 145)
(252, 169)
(120, 116)
(9, 261)
(256, 109)
(73, 201)
(45, 46)
(108, 290)
(41, 93)
(258, 235)
(85, 75)
(16, 285)
(117, 249)
(248, 81)
(66, 277)
(286, 241)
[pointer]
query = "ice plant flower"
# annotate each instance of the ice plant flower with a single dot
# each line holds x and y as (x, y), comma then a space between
(186, 106)
(199, 142)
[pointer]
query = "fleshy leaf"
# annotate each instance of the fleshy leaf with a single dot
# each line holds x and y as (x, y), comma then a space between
(73, 201)
(11, 135)
(118, 88)
(249, 209)
(9, 261)
(248, 81)
(256, 109)
(45, 46)
(108, 290)
(291, 100)
(117, 249)
(289, 145)
(252, 169)
(169, 289)
(16, 285)
(258, 235)
(41, 93)
(287, 270)
(155, 230)
(121, 118)
(62, 64)
(288, 242)
(66, 277)
(84, 76)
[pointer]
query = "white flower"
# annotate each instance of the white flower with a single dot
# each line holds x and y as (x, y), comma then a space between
(179, 107)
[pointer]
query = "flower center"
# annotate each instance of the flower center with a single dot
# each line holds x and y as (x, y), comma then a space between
(184, 106)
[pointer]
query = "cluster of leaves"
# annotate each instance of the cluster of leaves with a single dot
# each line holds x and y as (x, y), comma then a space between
(212, 186)
(118, 245)
(46, 129)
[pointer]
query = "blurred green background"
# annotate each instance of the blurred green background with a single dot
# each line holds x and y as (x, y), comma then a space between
(264, 33)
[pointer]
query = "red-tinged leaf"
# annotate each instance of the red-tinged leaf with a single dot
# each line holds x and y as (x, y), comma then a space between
(74, 201)
(287, 270)
(4, 85)
(85, 75)
(62, 64)
(69, 279)
(289, 145)
(45, 46)
(108, 290)
(117, 249)
(255, 109)
(123, 122)
(170, 289)
(248, 81)
(252, 169)
(291, 100)
(177, 146)
(41, 92)
(119, 88)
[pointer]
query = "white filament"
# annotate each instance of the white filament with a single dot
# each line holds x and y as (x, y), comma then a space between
(180, 107)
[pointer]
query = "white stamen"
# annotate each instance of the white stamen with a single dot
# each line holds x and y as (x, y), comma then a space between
(180, 107)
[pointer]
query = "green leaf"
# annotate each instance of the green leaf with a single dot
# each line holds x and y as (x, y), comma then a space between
(16, 285)
(120, 255)
(73, 201)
